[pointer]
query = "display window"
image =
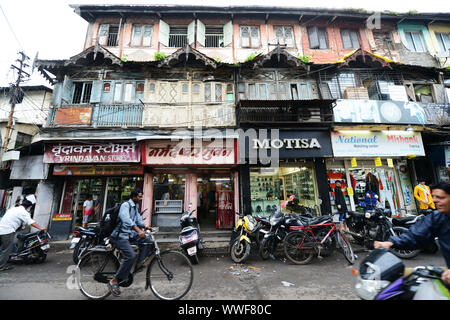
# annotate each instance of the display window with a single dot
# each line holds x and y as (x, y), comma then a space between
(270, 187)
(119, 189)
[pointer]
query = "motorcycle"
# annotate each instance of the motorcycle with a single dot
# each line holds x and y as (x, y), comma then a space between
(381, 276)
(247, 231)
(374, 225)
(190, 240)
(33, 247)
(84, 239)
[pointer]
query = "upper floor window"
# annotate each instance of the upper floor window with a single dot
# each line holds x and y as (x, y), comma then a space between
(108, 35)
(23, 139)
(250, 37)
(317, 38)
(142, 35)
(284, 35)
(350, 39)
(444, 42)
(214, 37)
(415, 41)
(82, 92)
(178, 36)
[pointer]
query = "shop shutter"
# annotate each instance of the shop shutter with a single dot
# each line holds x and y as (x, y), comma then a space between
(96, 93)
(227, 33)
(191, 32)
(164, 31)
(201, 31)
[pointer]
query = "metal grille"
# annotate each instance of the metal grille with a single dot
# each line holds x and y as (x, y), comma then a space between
(117, 115)
(113, 36)
(178, 37)
(214, 37)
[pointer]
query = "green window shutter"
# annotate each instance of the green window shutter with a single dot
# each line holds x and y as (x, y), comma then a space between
(96, 93)
(191, 32)
(67, 91)
(201, 30)
(164, 31)
(227, 33)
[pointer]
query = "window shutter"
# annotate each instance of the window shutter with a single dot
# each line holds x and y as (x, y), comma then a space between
(289, 36)
(191, 32)
(346, 40)
(96, 93)
(201, 30)
(67, 89)
(103, 34)
(147, 35)
(164, 31)
(313, 38)
(355, 39)
(254, 34)
(227, 33)
(245, 36)
(323, 43)
(136, 35)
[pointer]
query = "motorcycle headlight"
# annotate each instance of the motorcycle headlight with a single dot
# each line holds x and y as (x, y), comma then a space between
(369, 289)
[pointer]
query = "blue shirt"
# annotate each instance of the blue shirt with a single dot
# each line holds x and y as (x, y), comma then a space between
(424, 231)
(128, 218)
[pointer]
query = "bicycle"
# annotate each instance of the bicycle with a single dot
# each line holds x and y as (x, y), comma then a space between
(316, 235)
(169, 273)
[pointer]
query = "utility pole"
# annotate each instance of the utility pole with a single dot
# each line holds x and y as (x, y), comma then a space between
(16, 96)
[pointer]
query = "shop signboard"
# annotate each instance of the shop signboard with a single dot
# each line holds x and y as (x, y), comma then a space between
(189, 152)
(376, 144)
(92, 153)
(73, 115)
(388, 111)
(289, 144)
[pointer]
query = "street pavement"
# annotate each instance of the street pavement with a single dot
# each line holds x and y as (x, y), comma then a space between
(216, 277)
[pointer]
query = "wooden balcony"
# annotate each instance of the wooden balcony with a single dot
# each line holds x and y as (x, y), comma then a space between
(284, 111)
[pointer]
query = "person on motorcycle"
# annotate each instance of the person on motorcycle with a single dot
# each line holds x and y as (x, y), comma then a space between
(426, 230)
(9, 225)
(129, 230)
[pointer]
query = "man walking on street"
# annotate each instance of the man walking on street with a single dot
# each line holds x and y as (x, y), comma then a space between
(340, 204)
(9, 225)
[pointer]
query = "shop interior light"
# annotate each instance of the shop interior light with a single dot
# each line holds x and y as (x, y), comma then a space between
(219, 179)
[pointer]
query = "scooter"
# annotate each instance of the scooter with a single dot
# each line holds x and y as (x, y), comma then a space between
(382, 276)
(33, 247)
(82, 240)
(190, 240)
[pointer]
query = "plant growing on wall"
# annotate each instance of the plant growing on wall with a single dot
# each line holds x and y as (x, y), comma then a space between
(124, 57)
(305, 59)
(251, 56)
(160, 56)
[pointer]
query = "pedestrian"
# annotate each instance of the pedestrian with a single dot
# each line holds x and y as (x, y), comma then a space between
(129, 230)
(9, 225)
(422, 193)
(426, 230)
(88, 209)
(339, 200)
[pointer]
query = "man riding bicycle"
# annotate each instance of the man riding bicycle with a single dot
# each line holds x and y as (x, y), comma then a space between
(129, 230)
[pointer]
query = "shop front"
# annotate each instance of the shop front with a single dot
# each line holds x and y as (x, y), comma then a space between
(297, 168)
(375, 163)
(107, 172)
(191, 175)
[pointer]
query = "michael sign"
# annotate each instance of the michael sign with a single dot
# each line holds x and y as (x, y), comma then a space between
(312, 143)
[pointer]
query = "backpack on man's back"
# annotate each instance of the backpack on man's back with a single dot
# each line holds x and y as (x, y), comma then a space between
(109, 221)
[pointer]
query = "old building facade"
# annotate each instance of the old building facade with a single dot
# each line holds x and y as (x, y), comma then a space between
(320, 91)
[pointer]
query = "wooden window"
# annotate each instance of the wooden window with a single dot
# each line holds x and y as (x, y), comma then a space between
(207, 92)
(142, 35)
(178, 36)
(250, 37)
(218, 92)
(444, 42)
(415, 41)
(108, 35)
(107, 87)
(284, 35)
(214, 37)
(82, 92)
(317, 38)
(350, 39)
(22, 139)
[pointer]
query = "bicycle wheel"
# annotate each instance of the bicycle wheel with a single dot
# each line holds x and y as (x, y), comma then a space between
(170, 275)
(299, 247)
(95, 270)
(346, 247)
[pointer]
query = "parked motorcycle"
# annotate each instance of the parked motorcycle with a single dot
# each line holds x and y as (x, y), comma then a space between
(247, 231)
(381, 276)
(84, 239)
(32, 247)
(374, 225)
(190, 240)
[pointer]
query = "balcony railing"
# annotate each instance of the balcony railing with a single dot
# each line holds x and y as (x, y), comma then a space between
(177, 40)
(285, 111)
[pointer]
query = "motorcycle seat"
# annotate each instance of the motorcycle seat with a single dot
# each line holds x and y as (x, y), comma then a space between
(356, 214)
(320, 220)
(404, 219)
(22, 236)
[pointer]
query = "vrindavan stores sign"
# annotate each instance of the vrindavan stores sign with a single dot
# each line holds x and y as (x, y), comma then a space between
(376, 144)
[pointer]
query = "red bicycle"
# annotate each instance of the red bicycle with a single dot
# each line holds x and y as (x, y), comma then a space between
(318, 235)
